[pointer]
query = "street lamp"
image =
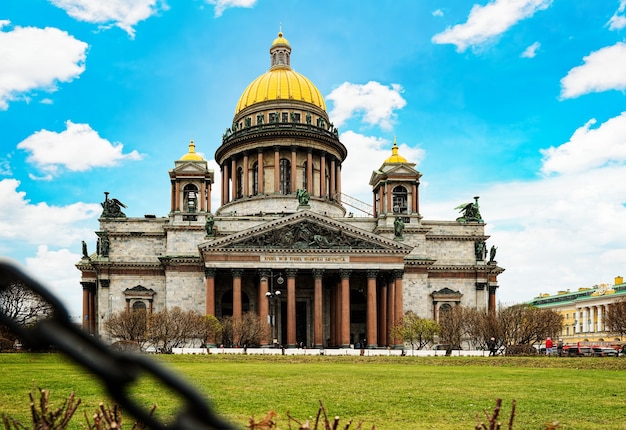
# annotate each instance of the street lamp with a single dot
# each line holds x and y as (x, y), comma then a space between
(273, 297)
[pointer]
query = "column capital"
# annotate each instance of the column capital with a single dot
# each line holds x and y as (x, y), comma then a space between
(345, 273)
(397, 274)
(318, 273)
(265, 273)
(237, 273)
(209, 272)
(291, 273)
(372, 273)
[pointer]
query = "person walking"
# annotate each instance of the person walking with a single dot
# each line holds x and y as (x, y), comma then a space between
(559, 347)
(491, 344)
(549, 346)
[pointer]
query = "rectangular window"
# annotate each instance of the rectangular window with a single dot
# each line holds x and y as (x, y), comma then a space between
(285, 117)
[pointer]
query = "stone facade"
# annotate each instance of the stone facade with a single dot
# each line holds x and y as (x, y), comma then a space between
(282, 217)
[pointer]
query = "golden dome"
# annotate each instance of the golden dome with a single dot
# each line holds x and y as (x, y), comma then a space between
(192, 155)
(395, 157)
(280, 82)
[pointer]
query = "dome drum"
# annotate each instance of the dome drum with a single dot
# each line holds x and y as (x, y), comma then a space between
(261, 205)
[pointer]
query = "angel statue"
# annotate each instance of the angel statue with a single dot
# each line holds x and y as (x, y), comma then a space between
(111, 208)
(470, 211)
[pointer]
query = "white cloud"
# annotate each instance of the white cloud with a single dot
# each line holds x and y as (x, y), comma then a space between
(222, 5)
(124, 14)
(569, 231)
(5, 168)
(603, 70)
(375, 101)
(37, 58)
(438, 12)
(370, 152)
(531, 51)
(57, 272)
(23, 222)
(554, 233)
(489, 21)
(589, 148)
(78, 148)
(618, 20)
(24, 225)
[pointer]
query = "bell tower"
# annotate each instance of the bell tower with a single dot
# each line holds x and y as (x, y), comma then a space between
(395, 187)
(191, 184)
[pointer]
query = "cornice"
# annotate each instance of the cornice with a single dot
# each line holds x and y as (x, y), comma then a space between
(457, 237)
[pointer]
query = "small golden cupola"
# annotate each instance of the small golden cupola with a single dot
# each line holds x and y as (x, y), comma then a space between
(395, 156)
(192, 155)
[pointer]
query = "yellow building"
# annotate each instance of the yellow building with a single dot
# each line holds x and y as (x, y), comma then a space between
(584, 311)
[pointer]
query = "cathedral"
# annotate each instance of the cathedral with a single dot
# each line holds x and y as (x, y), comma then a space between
(282, 244)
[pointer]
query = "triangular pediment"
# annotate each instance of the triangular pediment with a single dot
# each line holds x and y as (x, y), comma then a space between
(308, 232)
(190, 167)
(394, 170)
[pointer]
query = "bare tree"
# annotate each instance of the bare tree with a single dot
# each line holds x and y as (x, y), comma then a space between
(525, 324)
(249, 330)
(615, 320)
(453, 326)
(210, 329)
(174, 328)
(417, 331)
(130, 326)
(21, 305)
(482, 325)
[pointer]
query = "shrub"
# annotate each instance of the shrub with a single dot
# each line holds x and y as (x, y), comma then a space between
(523, 349)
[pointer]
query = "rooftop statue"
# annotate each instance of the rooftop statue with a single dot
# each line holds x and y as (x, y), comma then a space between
(398, 227)
(492, 254)
(209, 225)
(112, 208)
(303, 197)
(470, 211)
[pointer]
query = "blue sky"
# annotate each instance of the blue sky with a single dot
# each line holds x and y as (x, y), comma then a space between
(520, 102)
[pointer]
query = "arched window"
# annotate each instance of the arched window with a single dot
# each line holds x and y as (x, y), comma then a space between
(139, 306)
(190, 198)
(255, 178)
(443, 310)
(281, 58)
(285, 176)
(239, 182)
(399, 200)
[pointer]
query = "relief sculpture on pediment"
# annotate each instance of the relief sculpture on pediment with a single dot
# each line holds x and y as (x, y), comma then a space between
(305, 235)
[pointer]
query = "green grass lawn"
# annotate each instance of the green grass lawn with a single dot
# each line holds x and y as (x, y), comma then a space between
(389, 392)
